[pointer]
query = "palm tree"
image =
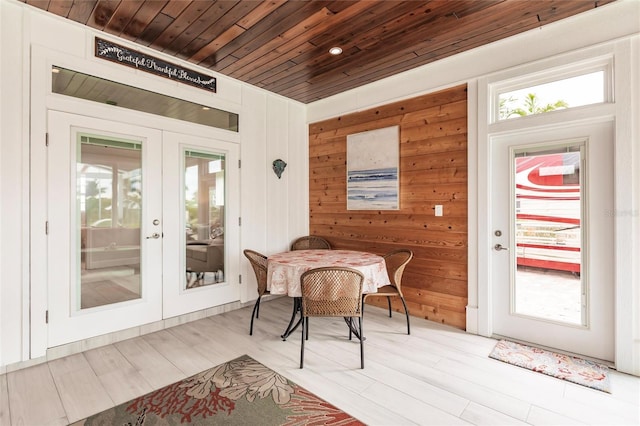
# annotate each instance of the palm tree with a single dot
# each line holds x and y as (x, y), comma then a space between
(531, 106)
(97, 205)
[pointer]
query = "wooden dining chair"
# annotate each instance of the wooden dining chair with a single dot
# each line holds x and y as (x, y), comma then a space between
(396, 261)
(259, 264)
(332, 292)
(310, 242)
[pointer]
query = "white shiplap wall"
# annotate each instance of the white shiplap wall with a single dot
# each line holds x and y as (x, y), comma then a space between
(270, 127)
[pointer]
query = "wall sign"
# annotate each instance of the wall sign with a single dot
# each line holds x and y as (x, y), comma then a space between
(131, 58)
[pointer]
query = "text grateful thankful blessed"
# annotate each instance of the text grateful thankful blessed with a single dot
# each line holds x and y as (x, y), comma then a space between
(116, 53)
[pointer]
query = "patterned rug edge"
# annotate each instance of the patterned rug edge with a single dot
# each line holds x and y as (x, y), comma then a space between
(572, 369)
(242, 387)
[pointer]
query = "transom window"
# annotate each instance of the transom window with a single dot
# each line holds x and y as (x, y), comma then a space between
(551, 90)
(84, 86)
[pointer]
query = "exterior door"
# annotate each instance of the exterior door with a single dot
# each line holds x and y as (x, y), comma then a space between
(200, 213)
(138, 226)
(105, 227)
(552, 238)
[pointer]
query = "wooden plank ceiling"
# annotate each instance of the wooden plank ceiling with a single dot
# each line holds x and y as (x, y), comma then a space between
(282, 46)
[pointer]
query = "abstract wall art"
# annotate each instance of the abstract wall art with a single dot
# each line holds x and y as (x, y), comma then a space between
(373, 169)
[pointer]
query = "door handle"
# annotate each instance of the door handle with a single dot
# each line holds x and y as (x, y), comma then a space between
(155, 236)
(498, 247)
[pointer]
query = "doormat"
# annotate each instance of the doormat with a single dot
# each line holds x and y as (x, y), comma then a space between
(565, 367)
(238, 392)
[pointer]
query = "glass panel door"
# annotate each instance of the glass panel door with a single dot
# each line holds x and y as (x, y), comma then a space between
(552, 238)
(108, 206)
(201, 214)
(139, 223)
(104, 222)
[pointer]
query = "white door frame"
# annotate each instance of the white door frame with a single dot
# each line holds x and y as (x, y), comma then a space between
(42, 100)
(624, 110)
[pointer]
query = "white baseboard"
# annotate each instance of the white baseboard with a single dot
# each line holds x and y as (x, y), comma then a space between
(107, 339)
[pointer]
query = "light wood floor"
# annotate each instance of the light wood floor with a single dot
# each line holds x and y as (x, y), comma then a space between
(436, 376)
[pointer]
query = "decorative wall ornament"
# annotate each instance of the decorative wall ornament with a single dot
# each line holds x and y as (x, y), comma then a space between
(132, 58)
(278, 167)
(373, 159)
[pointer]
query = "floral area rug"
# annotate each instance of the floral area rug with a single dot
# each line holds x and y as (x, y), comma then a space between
(565, 367)
(238, 392)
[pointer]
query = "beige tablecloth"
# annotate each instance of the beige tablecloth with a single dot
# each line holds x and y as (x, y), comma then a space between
(284, 269)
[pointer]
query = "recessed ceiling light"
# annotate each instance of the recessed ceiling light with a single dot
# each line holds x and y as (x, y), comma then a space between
(335, 50)
(204, 108)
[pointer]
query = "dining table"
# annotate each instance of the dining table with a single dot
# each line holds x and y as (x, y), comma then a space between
(285, 269)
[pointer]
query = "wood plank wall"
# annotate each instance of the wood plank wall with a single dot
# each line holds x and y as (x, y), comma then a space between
(433, 170)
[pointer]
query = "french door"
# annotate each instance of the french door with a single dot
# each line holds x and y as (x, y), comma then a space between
(201, 210)
(122, 210)
(552, 238)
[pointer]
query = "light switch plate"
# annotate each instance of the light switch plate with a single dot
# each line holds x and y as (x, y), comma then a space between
(438, 210)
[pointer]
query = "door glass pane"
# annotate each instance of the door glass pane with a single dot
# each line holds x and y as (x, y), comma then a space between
(548, 205)
(108, 206)
(204, 176)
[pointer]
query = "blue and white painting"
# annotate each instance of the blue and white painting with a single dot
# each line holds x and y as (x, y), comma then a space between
(373, 169)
